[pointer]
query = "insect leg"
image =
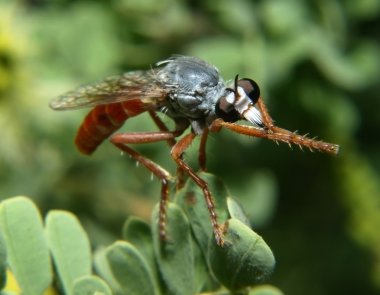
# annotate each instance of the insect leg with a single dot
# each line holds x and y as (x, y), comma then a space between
(267, 120)
(121, 140)
(179, 130)
(161, 125)
(277, 134)
(294, 138)
(177, 152)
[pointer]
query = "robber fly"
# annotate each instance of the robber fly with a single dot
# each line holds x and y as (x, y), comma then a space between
(193, 94)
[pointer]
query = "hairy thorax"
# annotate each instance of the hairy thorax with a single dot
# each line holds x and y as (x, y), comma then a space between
(194, 89)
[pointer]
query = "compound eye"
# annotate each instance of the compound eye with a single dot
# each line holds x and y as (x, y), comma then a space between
(226, 111)
(251, 89)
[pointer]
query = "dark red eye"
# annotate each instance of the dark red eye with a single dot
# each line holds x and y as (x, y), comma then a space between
(251, 88)
(225, 110)
(232, 116)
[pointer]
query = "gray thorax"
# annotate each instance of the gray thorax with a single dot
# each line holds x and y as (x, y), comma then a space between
(194, 88)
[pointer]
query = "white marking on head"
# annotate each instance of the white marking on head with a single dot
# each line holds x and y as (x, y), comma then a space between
(230, 98)
(243, 104)
(242, 101)
(253, 115)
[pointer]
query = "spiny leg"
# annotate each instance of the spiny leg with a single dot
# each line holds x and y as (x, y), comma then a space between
(277, 134)
(161, 125)
(177, 152)
(289, 137)
(267, 119)
(121, 140)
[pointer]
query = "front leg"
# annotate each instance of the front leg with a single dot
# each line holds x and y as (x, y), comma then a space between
(277, 134)
(270, 131)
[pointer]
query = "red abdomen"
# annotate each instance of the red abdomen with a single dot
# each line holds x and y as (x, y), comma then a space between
(102, 121)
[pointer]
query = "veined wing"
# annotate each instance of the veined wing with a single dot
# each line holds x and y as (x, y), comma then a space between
(137, 85)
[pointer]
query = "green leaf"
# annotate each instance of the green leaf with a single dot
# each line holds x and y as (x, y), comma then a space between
(192, 201)
(175, 256)
(69, 246)
(27, 250)
(102, 268)
(244, 260)
(130, 269)
(265, 290)
(90, 285)
(3, 262)
(138, 233)
(202, 277)
(235, 211)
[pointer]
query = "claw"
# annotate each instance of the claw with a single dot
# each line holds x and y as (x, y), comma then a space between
(218, 232)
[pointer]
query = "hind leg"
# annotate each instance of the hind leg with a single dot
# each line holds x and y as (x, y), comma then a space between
(121, 140)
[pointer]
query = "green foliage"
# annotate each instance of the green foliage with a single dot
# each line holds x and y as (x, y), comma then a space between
(88, 285)
(248, 257)
(3, 264)
(175, 256)
(318, 65)
(143, 263)
(124, 257)
(265, 290)
(26, 247)
(69, 247)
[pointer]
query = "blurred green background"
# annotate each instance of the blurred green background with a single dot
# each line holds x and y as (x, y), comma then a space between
(318, 64)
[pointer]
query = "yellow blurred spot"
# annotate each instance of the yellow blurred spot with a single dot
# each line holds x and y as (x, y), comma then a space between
(12, 283)
(12, 286)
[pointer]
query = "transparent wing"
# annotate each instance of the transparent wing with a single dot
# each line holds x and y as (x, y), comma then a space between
(132, 85)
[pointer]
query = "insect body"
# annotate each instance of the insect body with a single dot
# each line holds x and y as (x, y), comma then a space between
(192, 93)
